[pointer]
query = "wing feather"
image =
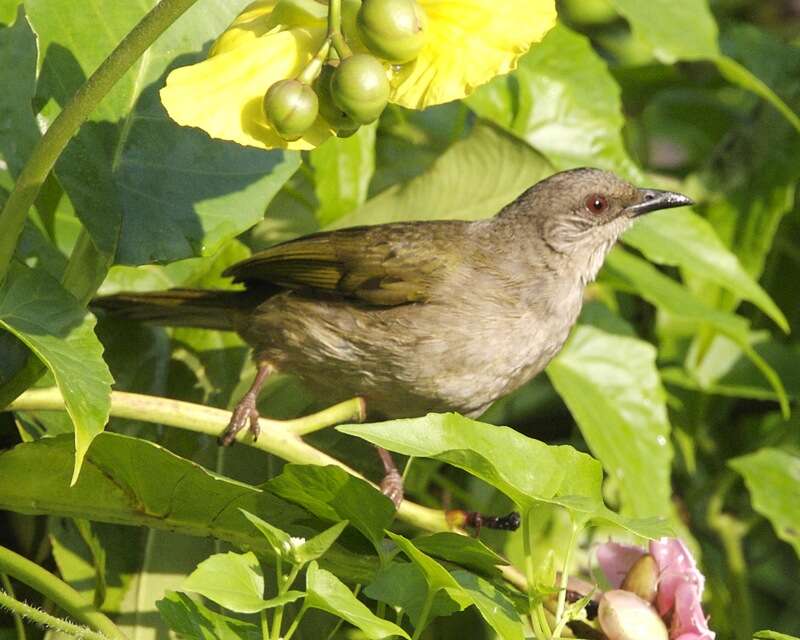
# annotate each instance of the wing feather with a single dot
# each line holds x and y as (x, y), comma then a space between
(383, 265)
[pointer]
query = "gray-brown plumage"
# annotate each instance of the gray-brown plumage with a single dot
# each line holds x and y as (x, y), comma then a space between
(420, 316)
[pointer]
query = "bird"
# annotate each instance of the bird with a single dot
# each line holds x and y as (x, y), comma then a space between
(416, 317)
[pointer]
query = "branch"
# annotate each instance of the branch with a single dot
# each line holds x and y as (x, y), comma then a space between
(278, 437)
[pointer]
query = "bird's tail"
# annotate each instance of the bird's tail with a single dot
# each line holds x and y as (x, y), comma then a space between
(201, 308)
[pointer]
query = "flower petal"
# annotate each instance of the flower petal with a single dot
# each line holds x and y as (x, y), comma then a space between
(469, 42)
(676, 566)
(222, 95)
(616, 560)
(688, 620)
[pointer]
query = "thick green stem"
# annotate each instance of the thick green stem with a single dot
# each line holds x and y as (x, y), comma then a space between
(45, 619)
(277, 437)
(77, 110)
(58, 591)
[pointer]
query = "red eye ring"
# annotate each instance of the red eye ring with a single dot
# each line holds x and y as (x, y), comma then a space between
(596, 203)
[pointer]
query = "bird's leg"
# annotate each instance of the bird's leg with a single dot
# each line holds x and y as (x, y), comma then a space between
(392, 483)
(246, 411)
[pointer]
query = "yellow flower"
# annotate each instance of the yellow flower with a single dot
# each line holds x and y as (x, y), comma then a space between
(468, 42)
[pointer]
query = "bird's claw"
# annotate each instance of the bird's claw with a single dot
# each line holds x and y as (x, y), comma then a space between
(245, 412)
(392, 487)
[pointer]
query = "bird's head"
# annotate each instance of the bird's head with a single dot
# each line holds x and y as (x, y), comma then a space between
(580, 213)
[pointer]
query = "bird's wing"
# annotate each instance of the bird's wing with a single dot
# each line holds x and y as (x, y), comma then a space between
(382, 265)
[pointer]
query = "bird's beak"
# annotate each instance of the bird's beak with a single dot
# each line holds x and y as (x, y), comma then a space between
(654, 199)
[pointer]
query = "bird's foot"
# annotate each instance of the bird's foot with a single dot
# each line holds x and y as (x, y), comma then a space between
(243, 414)
(392, 487)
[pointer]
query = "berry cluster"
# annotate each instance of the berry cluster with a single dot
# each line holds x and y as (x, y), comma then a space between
(346, 89)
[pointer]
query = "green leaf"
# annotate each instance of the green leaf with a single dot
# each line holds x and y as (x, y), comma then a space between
(160, 192)
(493, 605)
(686, 30)
(463, 550)
(504, 458)
(135, 482)
(278, 540)
(436, 576)
(564, 102)
(232, 580)
(18, 130)
(193, 620)
(665, 293)
(318, 546)
(773, 478)
(343, 168)
(612, 388)
(495, 608)
(682, 239)
(675, 29)
(37, 310)
(333, 494)
(328, 593)
(773, 635)
(8, 12)
(473, 179)
(402, 585)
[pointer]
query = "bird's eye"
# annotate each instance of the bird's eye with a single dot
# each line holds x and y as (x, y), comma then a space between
(596, 203)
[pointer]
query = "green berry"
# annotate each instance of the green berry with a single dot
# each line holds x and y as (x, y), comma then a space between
(339, 121)
(392, 29)
(291, 108)
(360, 88)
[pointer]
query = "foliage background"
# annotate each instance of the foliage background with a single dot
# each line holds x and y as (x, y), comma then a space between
(672, 379)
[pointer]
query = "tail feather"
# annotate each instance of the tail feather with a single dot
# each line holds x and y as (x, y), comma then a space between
(200, 308)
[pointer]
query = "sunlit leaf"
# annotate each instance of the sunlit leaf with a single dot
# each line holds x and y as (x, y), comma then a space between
(193, 620)
(136, 482)
(38, 311)
(333, 494)
(232, 580)
(317, 546)
(327, 592)
(611, 385)
(473, 179)
(468, 552)
(684, 29)
(402, 584)
(493, 605)
(527, 470)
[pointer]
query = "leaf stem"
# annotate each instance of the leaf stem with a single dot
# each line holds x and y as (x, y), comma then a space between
(264, 624)
(58, 591)
(77, 110)
(278, 437)
(293, 627)
(562, 592)
(46, 620)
